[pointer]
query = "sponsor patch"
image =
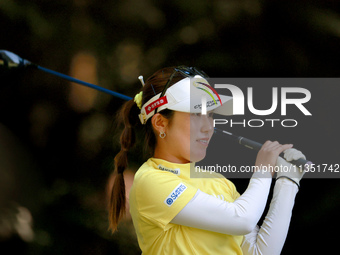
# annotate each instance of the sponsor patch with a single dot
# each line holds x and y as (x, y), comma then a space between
(175, 194)
(155, 104)
(171, 170)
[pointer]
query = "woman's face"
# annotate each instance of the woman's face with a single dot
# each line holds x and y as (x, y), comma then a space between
(188, 136)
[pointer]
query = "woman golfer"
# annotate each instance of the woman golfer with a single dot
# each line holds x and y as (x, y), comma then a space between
(175, 214)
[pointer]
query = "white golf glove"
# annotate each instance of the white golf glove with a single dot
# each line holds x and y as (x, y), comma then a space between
(287, 170)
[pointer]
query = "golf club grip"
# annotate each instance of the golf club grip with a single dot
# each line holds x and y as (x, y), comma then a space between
(250, 144)
(257, 146)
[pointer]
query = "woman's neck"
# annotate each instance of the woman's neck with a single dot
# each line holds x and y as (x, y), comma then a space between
(170, 157)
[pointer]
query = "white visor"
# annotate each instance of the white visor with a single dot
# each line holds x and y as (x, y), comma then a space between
(186, 96)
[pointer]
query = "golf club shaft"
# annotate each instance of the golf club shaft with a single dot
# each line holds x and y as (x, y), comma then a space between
(90, 85)
(9, 60)
(250, 144)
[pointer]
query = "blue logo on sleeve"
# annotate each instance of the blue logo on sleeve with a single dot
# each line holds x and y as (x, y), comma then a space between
(175, 194)
(169, 201)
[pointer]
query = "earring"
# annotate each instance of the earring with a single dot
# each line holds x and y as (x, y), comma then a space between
(162, 134)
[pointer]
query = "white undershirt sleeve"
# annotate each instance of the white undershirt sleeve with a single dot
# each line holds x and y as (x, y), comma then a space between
(238, 218)
(270, 238)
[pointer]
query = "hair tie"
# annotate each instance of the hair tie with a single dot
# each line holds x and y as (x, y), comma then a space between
(138, 99)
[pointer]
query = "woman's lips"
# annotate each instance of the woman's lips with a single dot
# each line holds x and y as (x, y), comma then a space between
(203, 141)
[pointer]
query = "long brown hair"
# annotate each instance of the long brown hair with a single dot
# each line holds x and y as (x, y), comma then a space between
(128, 116)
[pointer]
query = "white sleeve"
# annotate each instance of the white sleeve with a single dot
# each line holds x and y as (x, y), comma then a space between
(238, 218)
(269, 239)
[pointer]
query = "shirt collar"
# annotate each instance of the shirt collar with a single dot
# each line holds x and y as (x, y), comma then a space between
(181, 170)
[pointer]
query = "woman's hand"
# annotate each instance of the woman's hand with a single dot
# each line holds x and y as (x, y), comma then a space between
(267, 156)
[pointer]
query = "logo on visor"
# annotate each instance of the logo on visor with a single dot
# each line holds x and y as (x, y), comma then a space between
(196, 84)
(155, 104)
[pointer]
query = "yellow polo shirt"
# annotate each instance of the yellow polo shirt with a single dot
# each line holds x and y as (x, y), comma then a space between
(159, 192)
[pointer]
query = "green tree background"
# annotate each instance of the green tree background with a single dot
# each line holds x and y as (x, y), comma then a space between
(57, 140)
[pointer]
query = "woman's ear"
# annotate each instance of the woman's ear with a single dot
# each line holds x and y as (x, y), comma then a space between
(159, 122)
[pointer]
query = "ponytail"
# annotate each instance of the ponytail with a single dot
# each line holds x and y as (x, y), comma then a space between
(128, 116)
(117, 202)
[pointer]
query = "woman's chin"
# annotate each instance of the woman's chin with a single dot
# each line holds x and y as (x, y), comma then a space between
(197, 156)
